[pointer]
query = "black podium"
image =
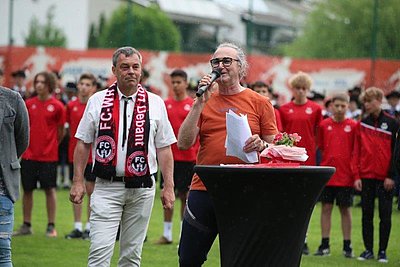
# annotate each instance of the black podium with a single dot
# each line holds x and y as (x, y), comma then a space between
(262, 212)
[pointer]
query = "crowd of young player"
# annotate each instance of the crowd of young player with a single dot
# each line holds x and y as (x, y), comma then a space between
(350, 131)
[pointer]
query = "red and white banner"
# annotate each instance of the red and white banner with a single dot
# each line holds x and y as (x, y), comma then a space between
(329, 76)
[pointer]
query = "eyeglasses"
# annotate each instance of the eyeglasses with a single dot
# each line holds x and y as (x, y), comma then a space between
(226, 61)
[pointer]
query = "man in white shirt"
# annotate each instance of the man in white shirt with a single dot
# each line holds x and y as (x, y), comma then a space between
(128, 128)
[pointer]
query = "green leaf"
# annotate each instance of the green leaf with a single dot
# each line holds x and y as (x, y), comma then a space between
(343, 29)
(47, 34)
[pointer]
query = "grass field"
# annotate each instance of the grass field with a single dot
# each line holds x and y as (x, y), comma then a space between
(37, 250)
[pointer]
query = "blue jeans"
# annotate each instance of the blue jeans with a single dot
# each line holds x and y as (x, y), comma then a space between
(6, 228)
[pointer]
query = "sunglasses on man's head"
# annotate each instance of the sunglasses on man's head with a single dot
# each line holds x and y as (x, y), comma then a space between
(226, 61)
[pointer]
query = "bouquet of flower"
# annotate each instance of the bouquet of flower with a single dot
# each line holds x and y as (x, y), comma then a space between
(286, 139)
(284, 150)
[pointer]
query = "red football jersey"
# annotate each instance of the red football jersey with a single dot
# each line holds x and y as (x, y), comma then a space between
(304, 120)
(45, 117)
(177, 112)
(75, 111)
(278, 120)
(337, 141)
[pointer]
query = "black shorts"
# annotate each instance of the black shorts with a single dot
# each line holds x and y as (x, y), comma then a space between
(89, 175)
(343, 195)
(34, 171)
(183, 173)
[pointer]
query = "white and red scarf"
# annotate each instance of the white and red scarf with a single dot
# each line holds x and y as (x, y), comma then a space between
(137, 172)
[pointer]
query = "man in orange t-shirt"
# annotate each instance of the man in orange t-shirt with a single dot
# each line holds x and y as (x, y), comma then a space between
(207, 119)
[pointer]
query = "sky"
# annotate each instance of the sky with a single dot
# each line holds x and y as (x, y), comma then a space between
(69, 15)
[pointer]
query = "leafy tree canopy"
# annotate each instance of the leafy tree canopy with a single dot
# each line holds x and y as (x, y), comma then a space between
(95, 32)
(45, 34)
(344, 29)
(142, 28)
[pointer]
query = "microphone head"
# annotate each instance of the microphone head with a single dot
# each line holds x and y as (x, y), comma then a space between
(214, 75)
(217, 72)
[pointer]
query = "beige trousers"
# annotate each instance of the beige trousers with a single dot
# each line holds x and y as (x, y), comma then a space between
(112, 203)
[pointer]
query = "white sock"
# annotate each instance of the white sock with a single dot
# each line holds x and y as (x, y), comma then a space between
(87, 227)
(168, 230)
(78, 225)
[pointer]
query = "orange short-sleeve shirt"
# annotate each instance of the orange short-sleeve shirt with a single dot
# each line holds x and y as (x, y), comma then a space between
(212, 123)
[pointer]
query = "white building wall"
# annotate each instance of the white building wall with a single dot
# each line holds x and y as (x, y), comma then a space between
(97, 7)
(236, 33)
(69, 15)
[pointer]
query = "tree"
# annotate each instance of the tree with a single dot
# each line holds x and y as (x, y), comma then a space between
(95, 32)
(343, 29)
(93, 36)
(142, 28)
(47, 34)
(102, 22)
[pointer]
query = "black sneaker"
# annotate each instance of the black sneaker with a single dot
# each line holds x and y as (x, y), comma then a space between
(323, 251)
(382, 257)
(305, 250)
(74, 234)
(366, 255)
(348, 253)
(85, 235)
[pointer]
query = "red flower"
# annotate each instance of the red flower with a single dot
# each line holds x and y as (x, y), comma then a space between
(296, 137)
(287, 139)
(278, 137)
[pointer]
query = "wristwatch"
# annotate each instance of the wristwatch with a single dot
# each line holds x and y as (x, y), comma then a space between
(265, 144)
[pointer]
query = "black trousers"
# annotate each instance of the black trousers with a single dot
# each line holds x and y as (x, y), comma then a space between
(372, 188)
(199, 230)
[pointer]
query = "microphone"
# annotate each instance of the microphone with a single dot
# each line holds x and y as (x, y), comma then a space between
(214, 75)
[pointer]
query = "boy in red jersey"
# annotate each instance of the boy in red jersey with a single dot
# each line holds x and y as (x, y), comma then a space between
(39, 162)
(337, 139)
(86, 88)
(376, 143)
(302, 116)
(263, 89)
(178, 107)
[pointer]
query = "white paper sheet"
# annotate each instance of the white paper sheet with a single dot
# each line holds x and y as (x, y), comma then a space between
(237, 132)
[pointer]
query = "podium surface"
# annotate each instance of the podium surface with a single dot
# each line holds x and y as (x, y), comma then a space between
(262, 212)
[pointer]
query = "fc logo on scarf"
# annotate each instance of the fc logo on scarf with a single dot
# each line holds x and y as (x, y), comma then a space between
(137, 163)
(105, 149)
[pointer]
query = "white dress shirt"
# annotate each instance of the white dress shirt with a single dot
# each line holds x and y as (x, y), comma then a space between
(161, 132)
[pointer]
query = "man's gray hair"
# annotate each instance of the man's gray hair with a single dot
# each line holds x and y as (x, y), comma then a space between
(127, 51)
(244, 65)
